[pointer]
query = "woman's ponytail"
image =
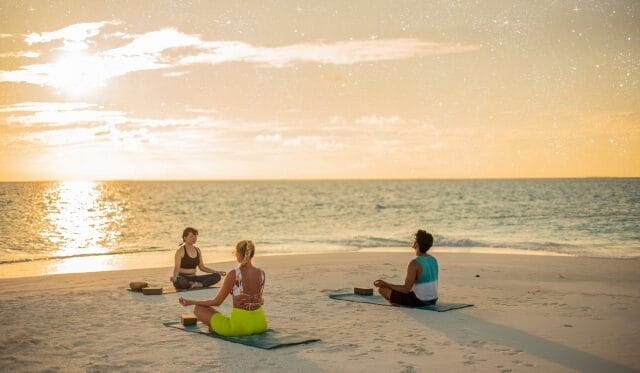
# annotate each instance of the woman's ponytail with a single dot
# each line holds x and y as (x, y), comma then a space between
(247, 249)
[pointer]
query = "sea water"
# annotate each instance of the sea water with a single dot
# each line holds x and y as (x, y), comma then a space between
(65, 220)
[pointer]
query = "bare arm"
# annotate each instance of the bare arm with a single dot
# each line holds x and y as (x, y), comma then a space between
(176, 266)
(412, 274)
(227, 285)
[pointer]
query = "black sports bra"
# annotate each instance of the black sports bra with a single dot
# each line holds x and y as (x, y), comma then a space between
(189, 262)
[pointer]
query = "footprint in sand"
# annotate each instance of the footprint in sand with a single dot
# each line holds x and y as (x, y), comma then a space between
(478, 343)
(342, 347)
(413, 349)
(407, 368)
(343, 290)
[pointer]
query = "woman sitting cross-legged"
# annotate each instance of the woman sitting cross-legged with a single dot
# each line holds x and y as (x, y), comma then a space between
(187, 258)
(421, 283)
(245, 284)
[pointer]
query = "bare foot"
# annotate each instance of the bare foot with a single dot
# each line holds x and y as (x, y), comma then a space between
(196, 285)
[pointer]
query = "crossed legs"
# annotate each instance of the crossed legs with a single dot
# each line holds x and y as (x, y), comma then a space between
(192, 282)
(385, 292)
(204, 314)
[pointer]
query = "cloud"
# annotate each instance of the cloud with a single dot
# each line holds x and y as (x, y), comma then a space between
(175, 74)
(27, 54)
(74, 37)
(49, 115)
(319, 143)
(44, 106)
(376, 120)
(269, 138)
(69, 125)
(78, 70)
(153, 43)
(200, 110)
(55, 114)
(4, 36)
(315, 142)
(61, 114)
(118, 35)
(81, 72)
(337, 53)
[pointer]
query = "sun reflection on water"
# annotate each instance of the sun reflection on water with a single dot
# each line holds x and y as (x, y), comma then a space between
(81, 222)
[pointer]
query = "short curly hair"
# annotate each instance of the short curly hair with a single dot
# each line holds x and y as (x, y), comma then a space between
(424, 240)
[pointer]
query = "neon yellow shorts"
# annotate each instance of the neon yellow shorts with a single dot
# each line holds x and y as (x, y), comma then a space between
(240, 322)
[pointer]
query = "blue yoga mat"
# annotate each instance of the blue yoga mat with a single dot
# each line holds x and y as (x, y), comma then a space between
(380, 301)
(268, 340)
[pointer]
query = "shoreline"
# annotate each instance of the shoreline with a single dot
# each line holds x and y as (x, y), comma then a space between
(163, 259)
(531, 313)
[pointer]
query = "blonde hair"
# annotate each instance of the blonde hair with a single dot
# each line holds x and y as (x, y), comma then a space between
(246, 249)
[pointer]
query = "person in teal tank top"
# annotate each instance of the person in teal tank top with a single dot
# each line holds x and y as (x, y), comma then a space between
(420, 286)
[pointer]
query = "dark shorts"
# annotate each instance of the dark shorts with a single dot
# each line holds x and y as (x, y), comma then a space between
(409, 299)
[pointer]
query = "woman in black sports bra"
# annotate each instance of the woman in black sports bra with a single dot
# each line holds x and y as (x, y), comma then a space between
(187, 258)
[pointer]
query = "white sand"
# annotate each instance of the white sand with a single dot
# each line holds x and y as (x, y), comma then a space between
(532, 313)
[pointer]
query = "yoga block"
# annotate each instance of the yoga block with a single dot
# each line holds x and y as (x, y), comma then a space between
(138, 285)
(188, 319)
(152, 291)
(363, 291)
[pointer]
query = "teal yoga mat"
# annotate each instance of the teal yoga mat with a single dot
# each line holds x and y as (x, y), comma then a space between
(268, 340)
(380, 301)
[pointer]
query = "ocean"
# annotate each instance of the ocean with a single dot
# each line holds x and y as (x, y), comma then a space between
(63, 220)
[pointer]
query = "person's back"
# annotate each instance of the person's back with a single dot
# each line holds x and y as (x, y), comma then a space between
(247, 288)
(426, 285)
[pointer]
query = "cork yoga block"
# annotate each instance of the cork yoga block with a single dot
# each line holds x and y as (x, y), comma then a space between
(152, 291)
(188, 319)
(363, 291)
(138, 285)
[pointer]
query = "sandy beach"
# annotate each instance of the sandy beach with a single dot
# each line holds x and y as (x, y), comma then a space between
(531, 313)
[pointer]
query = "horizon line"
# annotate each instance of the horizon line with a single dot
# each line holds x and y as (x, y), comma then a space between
(325, 179)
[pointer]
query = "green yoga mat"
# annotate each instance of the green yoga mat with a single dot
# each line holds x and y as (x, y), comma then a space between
(380, 301)
(268, 340)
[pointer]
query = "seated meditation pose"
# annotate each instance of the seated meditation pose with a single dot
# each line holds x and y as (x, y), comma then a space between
(421, 284)
(187, 258)
(245, 284)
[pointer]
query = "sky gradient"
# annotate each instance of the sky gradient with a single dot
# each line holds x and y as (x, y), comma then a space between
(333, 89)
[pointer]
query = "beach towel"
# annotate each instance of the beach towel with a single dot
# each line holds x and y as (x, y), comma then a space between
(169, 289)
(381, 301)
(268, 340)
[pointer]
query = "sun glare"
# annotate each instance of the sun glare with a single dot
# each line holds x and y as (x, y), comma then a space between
(79, 74)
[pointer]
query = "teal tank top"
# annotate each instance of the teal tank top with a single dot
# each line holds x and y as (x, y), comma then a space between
(429, 266)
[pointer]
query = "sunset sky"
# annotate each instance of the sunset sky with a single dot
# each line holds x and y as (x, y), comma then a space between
(100, 90)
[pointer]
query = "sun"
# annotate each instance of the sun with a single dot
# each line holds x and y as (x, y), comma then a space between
(79, 74)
